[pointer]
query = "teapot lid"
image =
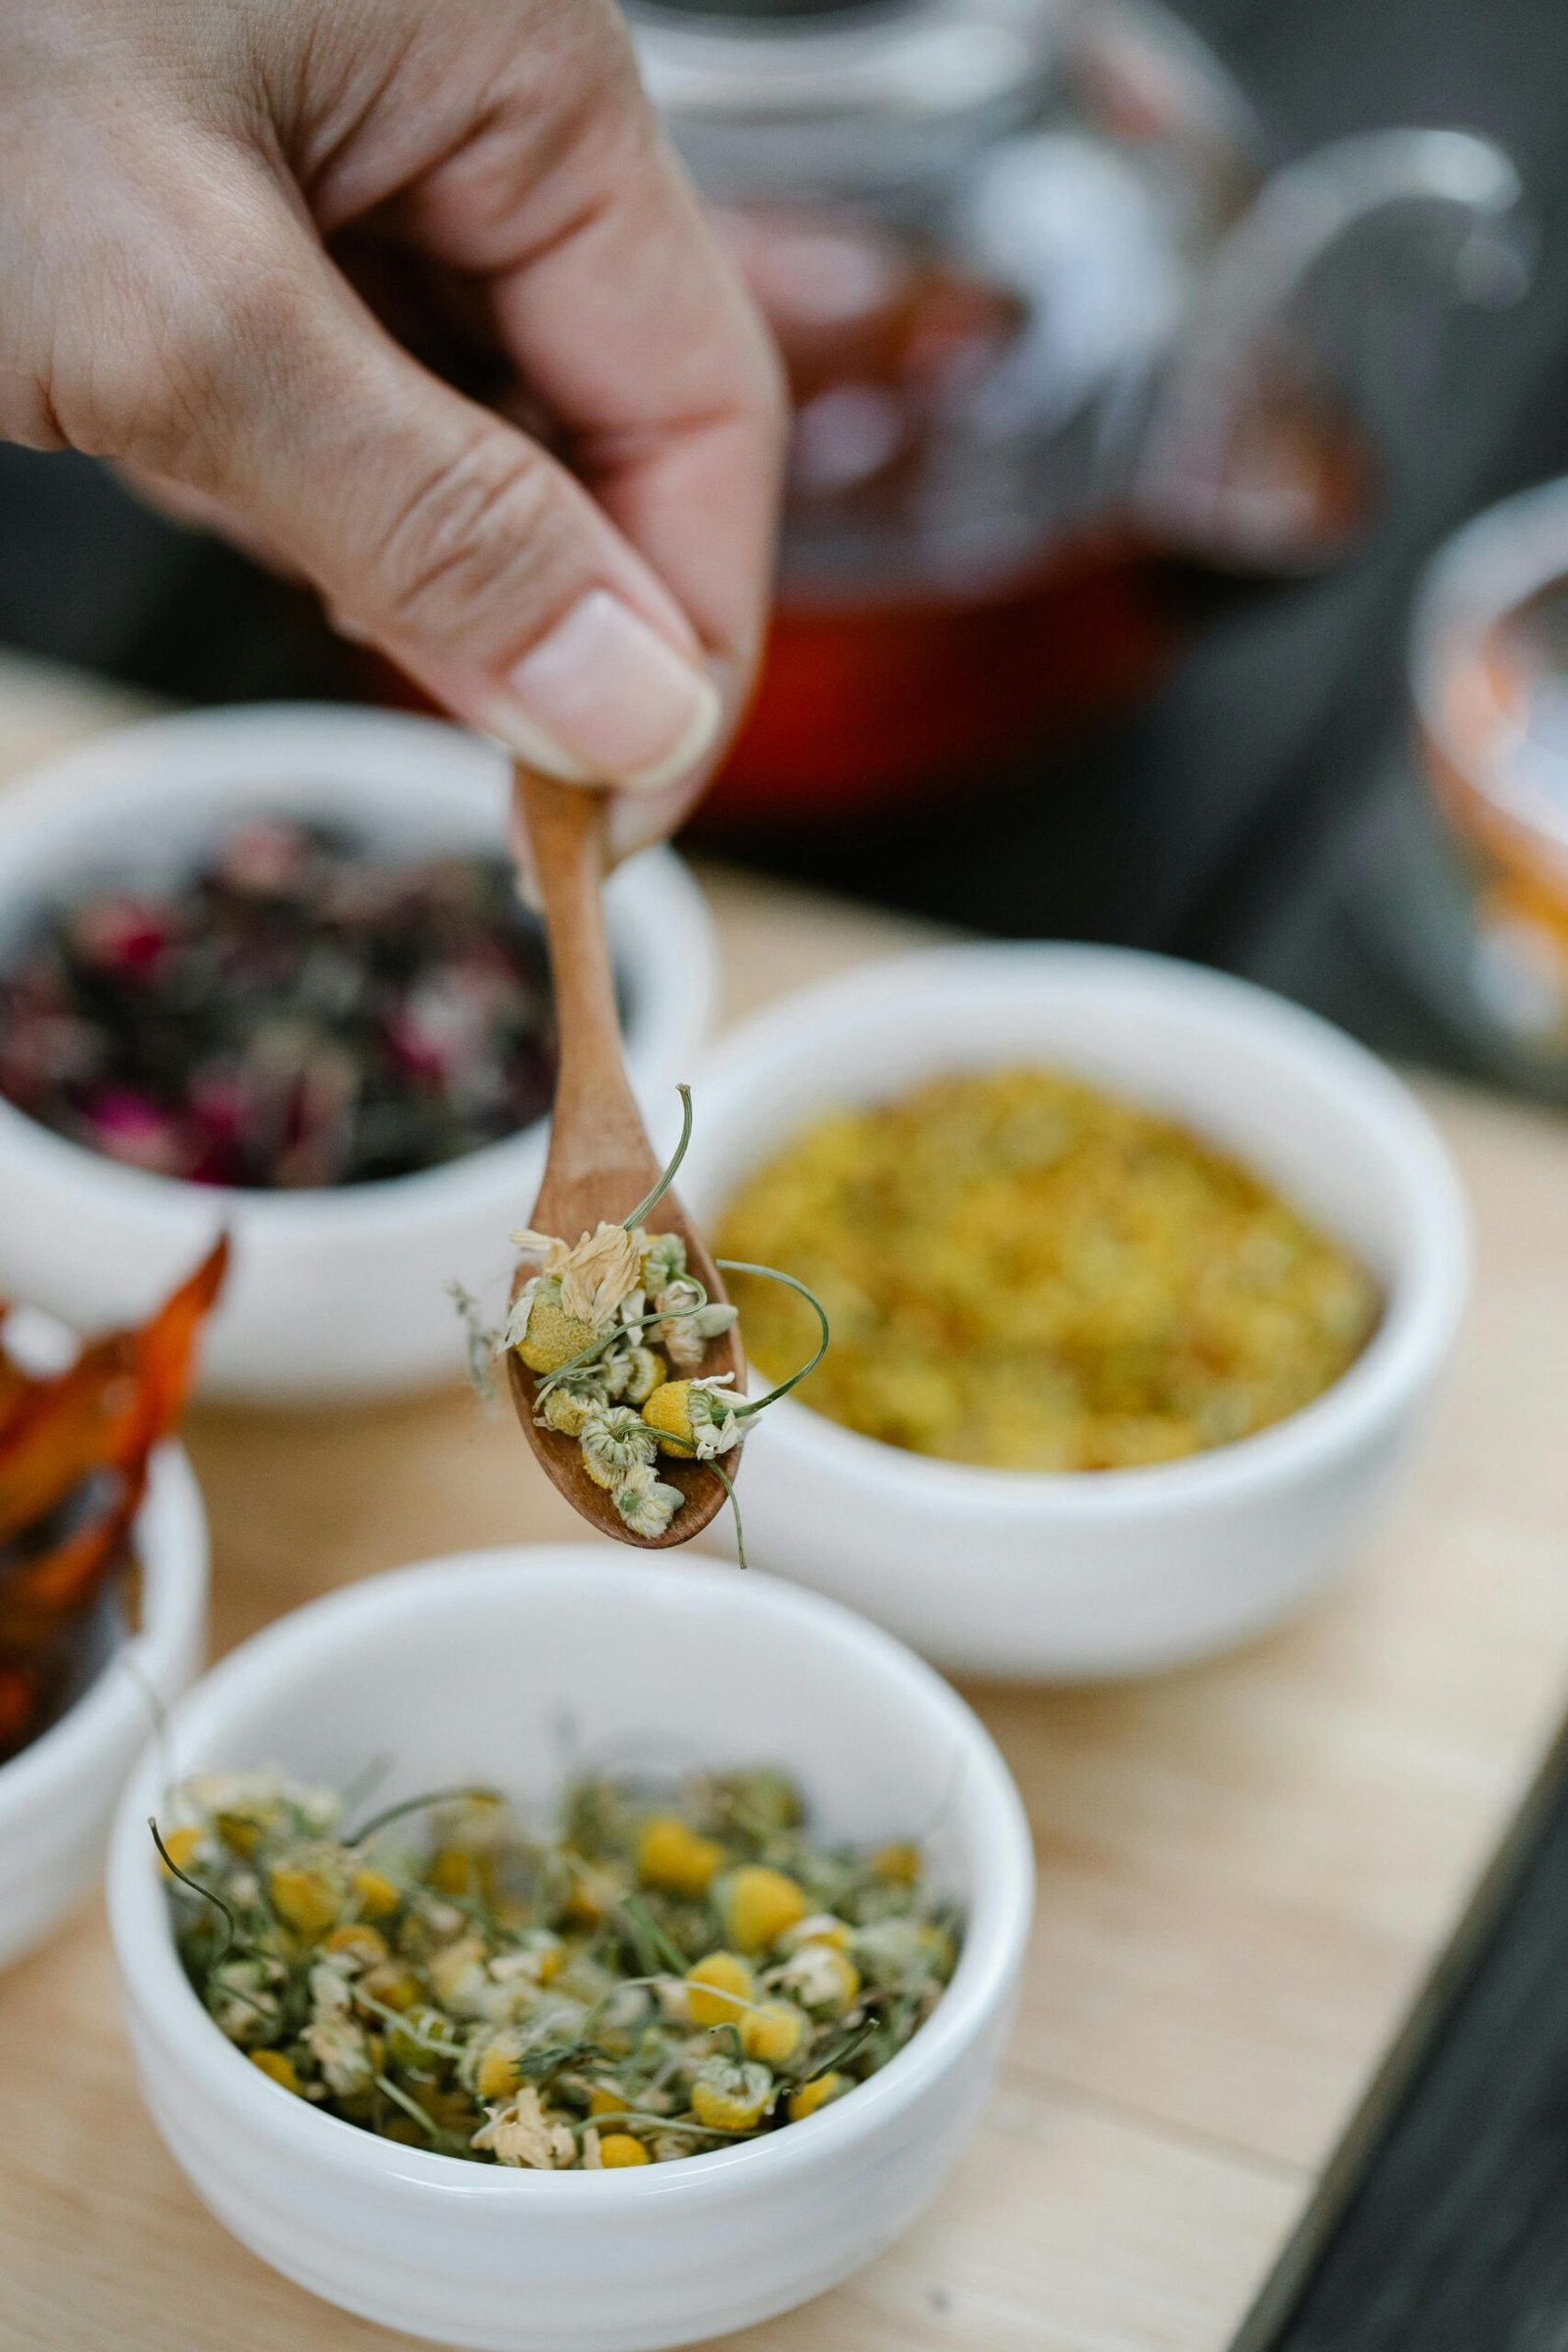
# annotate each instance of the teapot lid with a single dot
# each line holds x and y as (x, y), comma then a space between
(771, 98)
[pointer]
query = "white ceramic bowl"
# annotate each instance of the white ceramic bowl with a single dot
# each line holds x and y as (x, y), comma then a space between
(1074, 1575)
(57, 1797)
(504, 1666)
(338, 1292)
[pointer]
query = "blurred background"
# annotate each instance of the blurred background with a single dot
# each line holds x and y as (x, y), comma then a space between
(1118, 464)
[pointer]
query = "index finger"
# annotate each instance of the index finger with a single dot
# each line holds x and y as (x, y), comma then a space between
(620, 309)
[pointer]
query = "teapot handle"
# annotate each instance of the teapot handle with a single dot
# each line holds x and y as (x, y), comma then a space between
(1246, 398)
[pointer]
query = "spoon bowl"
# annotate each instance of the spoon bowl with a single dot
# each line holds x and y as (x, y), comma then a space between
(601, 1164)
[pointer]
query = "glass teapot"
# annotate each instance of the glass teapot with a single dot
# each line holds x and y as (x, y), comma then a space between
(1051, 339)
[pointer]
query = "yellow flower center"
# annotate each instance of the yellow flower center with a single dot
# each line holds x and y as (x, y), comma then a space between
(719, 1988)
(674, 1858)
(553, 1338)
(668, 1410)
(759, 1904)
(814, 2094)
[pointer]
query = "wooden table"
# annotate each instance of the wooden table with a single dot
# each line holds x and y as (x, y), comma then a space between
(1245, 1869)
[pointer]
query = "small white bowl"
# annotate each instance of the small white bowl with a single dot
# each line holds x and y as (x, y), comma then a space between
(1110, 1571)
(339, 1293)
(57, 1797)
(509, 1667)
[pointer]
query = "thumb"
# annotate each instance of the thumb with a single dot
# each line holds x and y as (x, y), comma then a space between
(434, 529)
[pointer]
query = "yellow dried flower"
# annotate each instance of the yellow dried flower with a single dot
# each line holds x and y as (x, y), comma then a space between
(180, 1846)
(357, 1941)
(376, 1896)
(593, 1276)
(619, 2148)
(499, 2071)
(718, 1987)
(821, 1978)
(522, 2132)
(818, 1927)
(278, 2067)
(1028, 1273)
(551, 1338)
(453, 1872)
(672, 1857)
(392, 1984)
(594, 1893)
(773, 2033)
(731, 2094)
(306, 1897)
(899, 1864)
(759, 1904)
(694, 1418)
(814, 2094)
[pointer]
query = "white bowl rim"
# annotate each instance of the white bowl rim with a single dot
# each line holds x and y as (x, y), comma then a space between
(171, 1531)
(150, 1966)
(305, 734)
(1421, 1313)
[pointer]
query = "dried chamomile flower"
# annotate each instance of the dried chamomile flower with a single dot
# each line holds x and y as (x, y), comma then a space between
(243, 1805)
(568, 1411)
(694, 1417)
(616, 1440)
(645, 1503)
(545, 1337)
(671, 1966)
(582, 1324)
(663, 1261)
(687, 1322)
(631, 1373)
(821, 1978)
(818, 2092)
(596, 1274)
(341, 2049)
(243, 1999)
(731, 2094)
(521, 2134)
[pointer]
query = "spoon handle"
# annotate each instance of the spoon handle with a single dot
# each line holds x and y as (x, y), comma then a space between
(596, 1123)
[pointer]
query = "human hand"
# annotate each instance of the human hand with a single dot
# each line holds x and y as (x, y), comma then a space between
(230, 239)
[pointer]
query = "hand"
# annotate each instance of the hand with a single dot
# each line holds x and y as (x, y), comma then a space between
(234, 238)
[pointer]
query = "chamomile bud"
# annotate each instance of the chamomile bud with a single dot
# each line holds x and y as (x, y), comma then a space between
(645, 1502)
(551, 1338)
(814, 2094)
(731, 2094)
(308, 1895)
(278, 2066)
(694, 1418)
(719, 1988)
(672, 1857)
(821, 1978)
(568, 1408)
(614, 1442)
(758, 1905)
(774, 2031)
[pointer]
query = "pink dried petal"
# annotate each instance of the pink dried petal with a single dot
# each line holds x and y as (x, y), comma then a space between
(123, 935)
(125, 1126)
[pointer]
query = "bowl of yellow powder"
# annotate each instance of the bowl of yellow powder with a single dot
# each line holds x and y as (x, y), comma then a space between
(1140, 1281)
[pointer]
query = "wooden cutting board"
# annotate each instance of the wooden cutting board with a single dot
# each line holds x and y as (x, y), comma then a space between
(1245, 1869)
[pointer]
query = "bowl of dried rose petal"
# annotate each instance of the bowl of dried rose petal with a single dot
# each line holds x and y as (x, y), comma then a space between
(265, 971)
(540, 1948)
(1140, 1282)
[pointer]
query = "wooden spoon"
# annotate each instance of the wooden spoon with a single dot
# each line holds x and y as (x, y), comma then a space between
(601, 1164)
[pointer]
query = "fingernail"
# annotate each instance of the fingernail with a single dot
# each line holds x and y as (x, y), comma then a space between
(606, 700)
